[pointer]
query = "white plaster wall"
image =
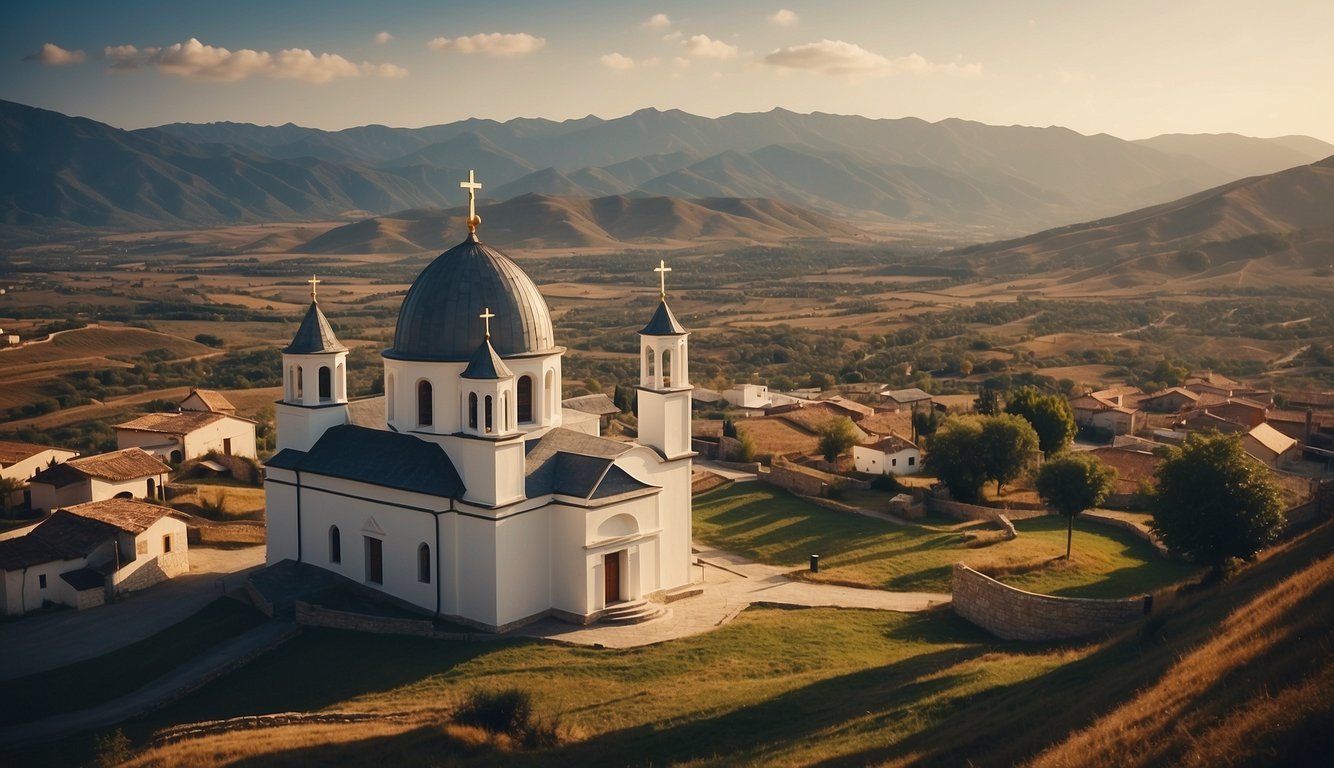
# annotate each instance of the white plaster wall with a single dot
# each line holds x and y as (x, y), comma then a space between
(137, 488)
(444, 378)
(48, 497)
(492, 470)
(872, 461)
(476, 570)
(26, 468)
(523, 557)
(673, 505)
(310, 378)
(157, 443)
(300, 427)
(279, 515)
(571, 565)
(211, 437)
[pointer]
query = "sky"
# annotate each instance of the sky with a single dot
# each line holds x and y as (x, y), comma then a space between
(1128, 68)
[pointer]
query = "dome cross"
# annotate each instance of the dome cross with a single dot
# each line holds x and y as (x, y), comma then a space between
(662, 269)
(314, 282)
(472, 185)
(486, 317)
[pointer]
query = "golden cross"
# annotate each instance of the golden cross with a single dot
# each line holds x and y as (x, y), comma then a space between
(662, 269)
(314, 281)
(486, 316)
(472, 185)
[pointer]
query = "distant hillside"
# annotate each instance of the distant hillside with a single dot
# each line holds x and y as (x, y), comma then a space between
(544, 221)
(1278, 222)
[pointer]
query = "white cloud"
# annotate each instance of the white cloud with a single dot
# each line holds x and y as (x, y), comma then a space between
(616, 61)
(383, 37)
(783, 18)
(493, 43)
(835, 57)
(196, 61)
(704, 46)
(657, 21)
(55, 56)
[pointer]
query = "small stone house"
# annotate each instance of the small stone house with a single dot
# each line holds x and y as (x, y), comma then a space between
(1112, 409)
(124, 474)
(207, 400)
(750, 396)
(1270, 446)
(86, 553)
(891, 455)
(1169, 400)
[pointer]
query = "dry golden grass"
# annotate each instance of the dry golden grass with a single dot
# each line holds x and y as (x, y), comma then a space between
(776, 436)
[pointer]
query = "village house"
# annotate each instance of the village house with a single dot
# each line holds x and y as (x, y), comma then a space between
(85, 553)
(598, 406)
(21, 461)
(892, 455)
(901, 399)
(124, 474)
(1169, 400)
(1111, 409)
(206, 423)
(752, 397)
(1271, 447)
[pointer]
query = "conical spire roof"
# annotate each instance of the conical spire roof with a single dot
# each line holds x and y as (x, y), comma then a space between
(486, 364)
(315, 336)
(663, 323)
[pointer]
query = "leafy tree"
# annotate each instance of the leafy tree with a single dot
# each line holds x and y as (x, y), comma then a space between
(8, 485)
(623, 398)
(1214, 502)
(952, 456)
(836, 436)
(1072, 483)
(1008, 446)
(1050, 416)
(988, 399)
(925, 422)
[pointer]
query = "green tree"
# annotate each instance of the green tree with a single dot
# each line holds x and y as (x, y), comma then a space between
(952, 456)
(1009, 446)
(836, 436)
(1050, 416)
(8, 486)
(1072, 483)
(988, 399)
(1214, 502)
(925, 422)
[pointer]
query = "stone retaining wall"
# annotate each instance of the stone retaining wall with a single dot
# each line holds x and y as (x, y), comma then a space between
(1126, 525)
(795, 481)
(1013, 614)
(961, 511)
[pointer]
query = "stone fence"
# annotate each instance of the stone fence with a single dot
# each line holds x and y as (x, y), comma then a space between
(1013, 614)
(961, 511)
(1126, 525)
(801, 482)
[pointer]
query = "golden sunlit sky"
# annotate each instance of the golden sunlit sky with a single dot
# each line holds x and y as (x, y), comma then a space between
(1129, 68)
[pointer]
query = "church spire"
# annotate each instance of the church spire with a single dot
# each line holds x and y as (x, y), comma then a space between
(472, 185)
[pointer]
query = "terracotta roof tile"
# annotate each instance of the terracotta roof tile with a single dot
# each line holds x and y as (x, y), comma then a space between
(125, 514)
(182, 423)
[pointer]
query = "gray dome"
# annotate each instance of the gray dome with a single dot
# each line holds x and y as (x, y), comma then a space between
(440, 317)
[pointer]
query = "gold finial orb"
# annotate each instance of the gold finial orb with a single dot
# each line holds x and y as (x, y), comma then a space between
(473, 222)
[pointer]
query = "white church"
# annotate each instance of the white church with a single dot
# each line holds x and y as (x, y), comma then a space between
(472, 501)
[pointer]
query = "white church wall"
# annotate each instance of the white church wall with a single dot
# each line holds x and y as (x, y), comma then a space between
(571, 567)
(494, 469)
(300, 427)
(444, 377)
(673, 504)
(279, 515)
(477, 568)
(523, 575)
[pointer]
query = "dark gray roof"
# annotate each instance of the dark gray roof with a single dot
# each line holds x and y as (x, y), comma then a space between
(62, 536)
(84, 579)
(663, 323)
(598, 404)
(572, 463)
(440, 317)
(315, 336)
(376, 457)
(486, 364)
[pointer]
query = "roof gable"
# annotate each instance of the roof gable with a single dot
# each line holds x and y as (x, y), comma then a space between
(117, 466)
(377, 457)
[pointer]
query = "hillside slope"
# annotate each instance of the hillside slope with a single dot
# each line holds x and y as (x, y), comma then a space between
(1279, 222)
(545, 221)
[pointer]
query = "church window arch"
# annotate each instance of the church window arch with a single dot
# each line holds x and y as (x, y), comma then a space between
(340, 382)
(389, 396)
(335, 545)
(524, 395)
(326, 383)
(472, 410)
(425, 404)
(490, 416)
(550, 389)
(666, 368)
(424, 563)
(650, 370)
(505, 423)
(300, 380)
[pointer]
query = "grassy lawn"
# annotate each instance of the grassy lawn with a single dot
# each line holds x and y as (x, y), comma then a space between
(775, 527)
(238, 501)
(106, 677)
(774, 686)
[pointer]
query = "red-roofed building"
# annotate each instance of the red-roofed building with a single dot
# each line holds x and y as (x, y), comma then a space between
(129, 473)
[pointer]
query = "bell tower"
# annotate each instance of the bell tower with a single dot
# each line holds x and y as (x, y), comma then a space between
(314, 381)
(664, 379)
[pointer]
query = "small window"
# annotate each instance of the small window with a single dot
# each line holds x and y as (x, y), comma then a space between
(489, 416)
(326, 383)
(425, 415)
(41, 581)
(893, 462)
(166, 543)
(912, 460)
(424, 564)
(374, 560)
(141, 548)
(472, 410)
(335, 545)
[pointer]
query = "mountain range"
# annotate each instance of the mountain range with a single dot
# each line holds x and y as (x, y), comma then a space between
(68, 172)
(1254, 229)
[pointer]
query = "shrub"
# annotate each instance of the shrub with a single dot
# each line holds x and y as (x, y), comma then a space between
(887, 483)
(510, 712)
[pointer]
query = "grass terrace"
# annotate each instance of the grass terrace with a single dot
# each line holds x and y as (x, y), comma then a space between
(773, 526)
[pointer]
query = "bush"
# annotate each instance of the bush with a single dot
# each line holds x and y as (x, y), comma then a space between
(510, 712)
(887, 483)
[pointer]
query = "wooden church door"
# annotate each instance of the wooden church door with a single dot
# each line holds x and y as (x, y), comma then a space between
(611, 568)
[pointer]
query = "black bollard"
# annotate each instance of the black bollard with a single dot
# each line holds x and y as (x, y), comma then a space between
(815, 563)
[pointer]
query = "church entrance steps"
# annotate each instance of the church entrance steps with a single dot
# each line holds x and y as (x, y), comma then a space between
(633, 612)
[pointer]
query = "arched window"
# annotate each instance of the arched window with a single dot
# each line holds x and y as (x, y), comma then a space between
(472, 410)
(525, 399)
(490, 417)
(424, 564)
(425, 415)
(648, 363)
(335, 545)
(341, 381)
(389, 394)
(300, 384)
(550, 390)
(152, 489)
(326, 383)
(666, 368)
